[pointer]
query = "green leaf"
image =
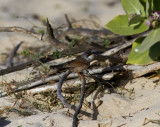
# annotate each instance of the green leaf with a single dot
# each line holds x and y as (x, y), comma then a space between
(149, 7)
(19, 126)
(72, 44)
(146, 57)
(156, 4)
(57, 54)
(135, 19)
(106, 43)
(151, 39)
(41, 32)
(133, 7)
(26, 52)
(143, 2)
(119, 25)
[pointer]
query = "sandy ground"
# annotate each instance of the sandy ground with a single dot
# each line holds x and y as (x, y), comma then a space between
(139, 99)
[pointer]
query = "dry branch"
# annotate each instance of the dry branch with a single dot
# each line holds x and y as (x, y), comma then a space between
(124, 45)
(20, 30)
(145, 69)
(12, 54)
(75, 119)
(60, 96)
(16, 68)
(83, 32)
(44, 59)
(60, 83)
(51, 38)
(72, 83)
(73, 75)
(68, 22)
(79, 33)
(105, 73)
(137, 72)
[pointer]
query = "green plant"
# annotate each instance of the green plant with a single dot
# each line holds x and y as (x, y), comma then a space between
(72, 44)
(26, 53)
(19, 126)
(57, 54)
(141, 15)
(34, 56)
(106, 43)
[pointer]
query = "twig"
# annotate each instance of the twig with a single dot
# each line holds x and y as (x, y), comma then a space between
(80, 33)
(51, 38)
(50, 31)
(150, 120)
(124, 45)
(33, 84)
(68, 22)
(118, 48)
(85, 32)
(60, 96)
(53, 87)
(12, 54)
(20, 30)
(144, 70)
(115, 68)
(105, 125)
(112, 59)
(73, 75)
(75, 119)
(56, 77)
(16, 68)
(73, 82)
(48, 58)
(122, 125)
(44, 59)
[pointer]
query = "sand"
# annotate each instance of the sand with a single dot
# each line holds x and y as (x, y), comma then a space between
(128, 108)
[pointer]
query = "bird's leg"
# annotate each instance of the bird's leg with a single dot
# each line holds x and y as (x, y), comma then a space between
(81, 75)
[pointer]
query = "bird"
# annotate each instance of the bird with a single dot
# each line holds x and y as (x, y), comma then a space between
(78, 65)
(81, 63)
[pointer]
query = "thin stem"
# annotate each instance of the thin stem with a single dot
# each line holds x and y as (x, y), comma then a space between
(60, 96)
(12, 54)
(68, 22)
(75, 119)
(20, 30)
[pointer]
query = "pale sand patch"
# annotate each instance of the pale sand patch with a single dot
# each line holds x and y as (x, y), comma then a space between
(143, 103)
(115, 109)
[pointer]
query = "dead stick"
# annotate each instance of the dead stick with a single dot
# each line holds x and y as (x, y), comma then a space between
(60, 83)
(77, 110)
(50, 57)
(51, 38)
(124, 45)
(145, 69)
(73, 75)
(44, 59)
(60, 96)
(53, 86)
(73, 82)
(75, 119)
(68, 22)
(20, 30)
(12, 54)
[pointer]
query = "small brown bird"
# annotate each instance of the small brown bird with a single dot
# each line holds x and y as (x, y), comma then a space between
(81, 63)
(78, 65)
